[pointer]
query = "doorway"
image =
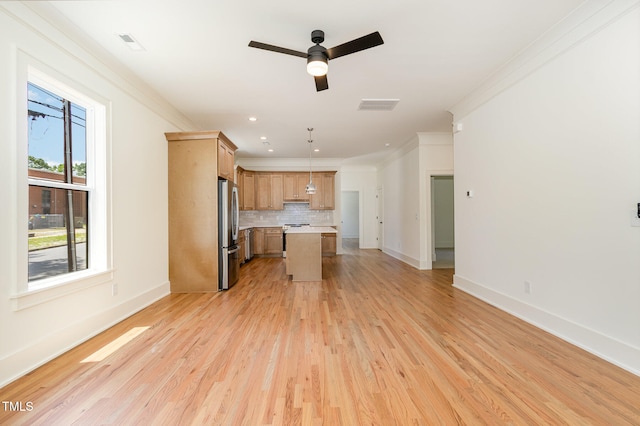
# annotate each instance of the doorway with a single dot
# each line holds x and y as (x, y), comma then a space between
(350, 205)
(442, 222)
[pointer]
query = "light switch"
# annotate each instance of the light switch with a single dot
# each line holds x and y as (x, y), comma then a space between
(469, 194)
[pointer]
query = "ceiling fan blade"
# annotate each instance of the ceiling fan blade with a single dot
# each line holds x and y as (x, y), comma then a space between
(353, 46)
(277, 49)
(321, 83)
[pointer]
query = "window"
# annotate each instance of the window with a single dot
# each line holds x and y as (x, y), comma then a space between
(66, 184)
(58, 194)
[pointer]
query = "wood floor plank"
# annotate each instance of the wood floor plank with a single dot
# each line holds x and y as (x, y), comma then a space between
(376, 342)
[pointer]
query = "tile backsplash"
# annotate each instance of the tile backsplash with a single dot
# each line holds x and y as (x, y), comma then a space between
(292, 213)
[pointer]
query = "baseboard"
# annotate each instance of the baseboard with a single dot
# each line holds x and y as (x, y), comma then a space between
(29, 358)
(618, 353)
(404, 258)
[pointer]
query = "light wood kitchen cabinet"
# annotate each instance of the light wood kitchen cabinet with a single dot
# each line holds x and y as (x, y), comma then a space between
(193, 210)
(329, 246)
(258, 241)
(294, 186)
(273, 241)
(324, 198)
(267, 241)
(238, 181)
(226, 160)
(269, 187)
(242, 246)
(272, 189)
(246, 189)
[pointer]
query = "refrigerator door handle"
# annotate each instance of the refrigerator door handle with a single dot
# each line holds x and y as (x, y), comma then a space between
(233, 250)
(235, 214)
(223, 281)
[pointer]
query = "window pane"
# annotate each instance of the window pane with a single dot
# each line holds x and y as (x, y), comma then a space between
(46, 134)
(46, 113)
(79, 143)
(50, 251)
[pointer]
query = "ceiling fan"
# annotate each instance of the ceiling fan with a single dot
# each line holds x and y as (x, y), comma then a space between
(318, 56)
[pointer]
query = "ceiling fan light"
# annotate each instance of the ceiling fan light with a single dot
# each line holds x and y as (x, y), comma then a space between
(317, 68)
(317, 64)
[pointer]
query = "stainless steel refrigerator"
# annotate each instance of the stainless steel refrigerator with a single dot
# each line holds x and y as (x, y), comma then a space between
(228, 230)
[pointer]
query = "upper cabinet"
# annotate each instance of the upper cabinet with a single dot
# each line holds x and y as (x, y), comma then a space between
(226, 150)
(269, 188)
(324, 198)
(247, 189)
(294, 186)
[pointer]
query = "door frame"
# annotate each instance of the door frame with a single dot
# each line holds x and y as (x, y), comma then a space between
(431, 251)
(380, 217)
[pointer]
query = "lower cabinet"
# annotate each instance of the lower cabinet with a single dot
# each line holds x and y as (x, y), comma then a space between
(267, 241)
(258, 241)
(242, 246)
(273, 241)
(328, 244)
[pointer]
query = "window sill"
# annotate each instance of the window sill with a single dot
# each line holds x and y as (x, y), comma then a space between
(71, 284)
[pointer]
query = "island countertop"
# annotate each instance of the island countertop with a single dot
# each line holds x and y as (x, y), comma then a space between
(311, 230)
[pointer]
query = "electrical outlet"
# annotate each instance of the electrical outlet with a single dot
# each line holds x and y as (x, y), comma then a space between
(527, 287)
(114, 289)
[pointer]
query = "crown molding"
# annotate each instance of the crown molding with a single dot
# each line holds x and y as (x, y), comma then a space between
(585, 21)
(49, 24)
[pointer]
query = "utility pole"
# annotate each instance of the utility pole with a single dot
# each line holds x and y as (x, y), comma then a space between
(68, 174)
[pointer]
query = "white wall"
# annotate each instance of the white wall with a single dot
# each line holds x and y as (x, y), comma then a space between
(399, 176)
(406, 179)
(138, 188)
(363, 179)
(436, 159)
(552, 153)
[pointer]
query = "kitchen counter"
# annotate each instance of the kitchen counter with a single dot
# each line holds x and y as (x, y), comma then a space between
(304, 254)
(304, 251)
(311, 230)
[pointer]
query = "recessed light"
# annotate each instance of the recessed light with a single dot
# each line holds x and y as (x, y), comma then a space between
(253, 119)
(264, 138)
(316, 150)
(270, 150)
(387, 145)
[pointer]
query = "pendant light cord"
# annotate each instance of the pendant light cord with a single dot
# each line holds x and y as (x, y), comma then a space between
(310, 129)
(311, 188)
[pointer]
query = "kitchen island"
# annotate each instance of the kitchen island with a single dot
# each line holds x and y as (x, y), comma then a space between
(304, 252)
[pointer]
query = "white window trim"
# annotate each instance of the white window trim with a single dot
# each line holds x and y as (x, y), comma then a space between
(26, 294)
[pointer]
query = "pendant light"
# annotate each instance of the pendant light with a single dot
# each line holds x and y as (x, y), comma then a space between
(311, 188)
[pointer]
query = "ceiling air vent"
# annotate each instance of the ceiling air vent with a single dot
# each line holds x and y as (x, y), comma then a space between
(378, 104)
(130, 41)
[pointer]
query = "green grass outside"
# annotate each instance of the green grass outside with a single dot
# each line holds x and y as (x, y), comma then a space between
(48, 241)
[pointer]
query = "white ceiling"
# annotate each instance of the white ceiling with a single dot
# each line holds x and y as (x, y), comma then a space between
(434, 53)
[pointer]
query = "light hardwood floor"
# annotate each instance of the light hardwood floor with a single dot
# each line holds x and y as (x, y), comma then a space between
(376, 342)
